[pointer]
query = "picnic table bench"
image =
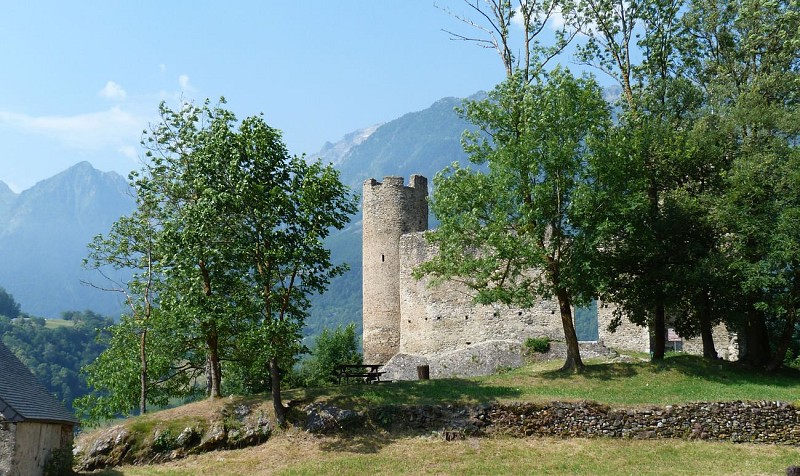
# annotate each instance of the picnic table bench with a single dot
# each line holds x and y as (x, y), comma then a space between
(367, 373)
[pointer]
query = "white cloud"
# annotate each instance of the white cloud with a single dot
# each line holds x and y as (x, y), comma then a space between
(91, 131)
(162, 67)
(113, 91)
(186, 86)
(128, 151)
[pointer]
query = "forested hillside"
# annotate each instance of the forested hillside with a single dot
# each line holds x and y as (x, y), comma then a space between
(55, 350)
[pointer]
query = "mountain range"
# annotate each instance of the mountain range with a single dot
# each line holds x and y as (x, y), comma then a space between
(43, 236)
(45, 229)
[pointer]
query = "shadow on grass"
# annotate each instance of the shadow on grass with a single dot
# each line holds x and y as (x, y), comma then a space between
(451, 391)
(600, 371)
(716, 371)
(724, 372)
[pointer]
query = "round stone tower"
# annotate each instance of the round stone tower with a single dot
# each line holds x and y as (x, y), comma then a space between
(390, 210)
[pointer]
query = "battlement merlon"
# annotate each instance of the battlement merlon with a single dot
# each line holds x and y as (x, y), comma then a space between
(418, 182)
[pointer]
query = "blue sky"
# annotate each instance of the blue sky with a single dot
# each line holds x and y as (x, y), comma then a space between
(80, 80)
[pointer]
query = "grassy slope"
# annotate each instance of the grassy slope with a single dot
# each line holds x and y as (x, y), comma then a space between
(679, 379)
(301, 454)
(56, 323)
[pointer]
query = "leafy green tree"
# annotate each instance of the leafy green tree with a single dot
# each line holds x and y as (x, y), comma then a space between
(331, 348)
(513, 29)
(283, 207)
(653, 230)
(116, 375)
(9, 307)
(745, 55)
(130, 244)
(514, 158)
(227, 244)
(184, 184)
(518, 219)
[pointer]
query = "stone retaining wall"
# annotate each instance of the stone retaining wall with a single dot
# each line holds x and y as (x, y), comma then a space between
(737, 422)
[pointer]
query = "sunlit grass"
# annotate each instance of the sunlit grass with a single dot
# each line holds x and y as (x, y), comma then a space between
(56, 323)
(678, 379)
(307, 455)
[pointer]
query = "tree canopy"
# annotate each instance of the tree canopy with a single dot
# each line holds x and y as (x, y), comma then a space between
(518, 219)
(688, 209)
(227, 247)
(9, 307)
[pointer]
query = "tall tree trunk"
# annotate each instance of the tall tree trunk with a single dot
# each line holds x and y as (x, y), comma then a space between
(659, 332)
(755, 340)
(143, 373)
(784, 342)
(573, 362)
(277, 402)
(212, 341)
(709, 350)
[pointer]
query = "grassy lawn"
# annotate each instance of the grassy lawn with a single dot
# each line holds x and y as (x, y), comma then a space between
(56, 323)
(301, 454)
(679, 379)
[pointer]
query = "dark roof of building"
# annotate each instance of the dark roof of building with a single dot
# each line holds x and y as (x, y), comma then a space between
(23, 397)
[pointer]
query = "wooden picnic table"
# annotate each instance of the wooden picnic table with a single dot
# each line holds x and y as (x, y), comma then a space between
(368, 373)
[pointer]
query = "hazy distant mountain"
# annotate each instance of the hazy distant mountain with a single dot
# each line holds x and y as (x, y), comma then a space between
(334, 153)
(43, 236)
(422, 142)
(612, 93)
(6, 197)
(44, 230)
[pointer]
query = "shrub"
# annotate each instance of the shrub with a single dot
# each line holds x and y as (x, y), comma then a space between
(329, 350)
(538, 345)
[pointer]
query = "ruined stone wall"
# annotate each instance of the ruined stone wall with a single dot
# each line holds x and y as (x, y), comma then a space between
(404, 315)
(629, 336)
(390, 210)
(444, 318)
(761, 422)
(7, 446)
(725, 343)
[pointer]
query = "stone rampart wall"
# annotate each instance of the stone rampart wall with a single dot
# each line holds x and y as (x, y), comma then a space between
(629, 336)
(736, 422)
(443, 318)
(405, 315)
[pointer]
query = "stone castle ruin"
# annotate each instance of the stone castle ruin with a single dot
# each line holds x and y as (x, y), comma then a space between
(407, 323)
